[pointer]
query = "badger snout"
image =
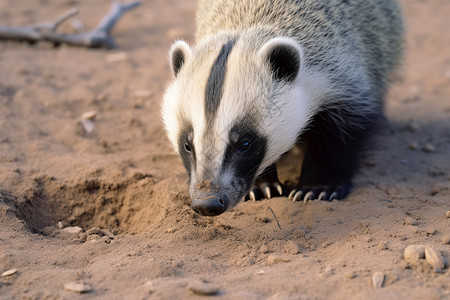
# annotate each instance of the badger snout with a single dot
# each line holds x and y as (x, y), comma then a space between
(212, 205)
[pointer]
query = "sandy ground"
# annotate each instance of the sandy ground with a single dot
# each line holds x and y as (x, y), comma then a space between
(124, 177)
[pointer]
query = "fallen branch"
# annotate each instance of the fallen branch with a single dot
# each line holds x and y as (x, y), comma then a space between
(99, 37)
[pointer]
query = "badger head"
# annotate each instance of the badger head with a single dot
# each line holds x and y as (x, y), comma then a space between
(234, 107)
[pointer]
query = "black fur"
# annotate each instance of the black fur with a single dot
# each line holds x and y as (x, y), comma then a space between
(186, 136)
(214, 85)
(285, 62)
(246, 164)
(177, 61)
(268, 179)
(333, 149)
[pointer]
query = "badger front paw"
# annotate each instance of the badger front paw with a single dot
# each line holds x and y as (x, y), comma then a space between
(265, 190)
(324, 193)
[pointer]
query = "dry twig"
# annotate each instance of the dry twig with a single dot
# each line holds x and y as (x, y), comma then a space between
(276, 219)
(100, 36)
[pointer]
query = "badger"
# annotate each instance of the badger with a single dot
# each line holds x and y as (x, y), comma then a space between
(265, 75)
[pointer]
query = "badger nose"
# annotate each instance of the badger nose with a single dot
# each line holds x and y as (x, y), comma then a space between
(210, 206)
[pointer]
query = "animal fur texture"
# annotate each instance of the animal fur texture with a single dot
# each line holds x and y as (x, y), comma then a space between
(264, 75)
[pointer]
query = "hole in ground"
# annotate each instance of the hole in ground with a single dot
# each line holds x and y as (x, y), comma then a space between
(126, 205)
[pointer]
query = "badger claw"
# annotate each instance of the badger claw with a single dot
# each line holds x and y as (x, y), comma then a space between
(265, 191)
(252, 196)
(322, 196)
(291, 194)
(325, 193)
(308, 196)
(279, 188)
(301, 195)
(296, 196)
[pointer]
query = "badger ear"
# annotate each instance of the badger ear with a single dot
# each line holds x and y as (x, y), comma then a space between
(284, 56)
(178, 54)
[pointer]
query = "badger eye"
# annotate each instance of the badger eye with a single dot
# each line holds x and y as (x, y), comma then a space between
(187, 147)
(243, 146)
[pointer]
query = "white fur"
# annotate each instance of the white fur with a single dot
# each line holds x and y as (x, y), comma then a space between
(281, 110)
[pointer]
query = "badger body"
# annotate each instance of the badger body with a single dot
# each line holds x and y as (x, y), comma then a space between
(265, 75)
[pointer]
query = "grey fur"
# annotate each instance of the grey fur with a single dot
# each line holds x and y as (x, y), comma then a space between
(371, 31)
(214, 85)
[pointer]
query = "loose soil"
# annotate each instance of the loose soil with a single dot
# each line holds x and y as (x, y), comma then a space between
(126, 189)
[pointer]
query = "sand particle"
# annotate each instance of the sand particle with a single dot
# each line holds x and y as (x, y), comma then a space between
(434, 258)
(9, 272)
(78, 287)
(429, 148)
(89, 115)
(203, 288)
(73, 229)
(378, 279)
(414, 253)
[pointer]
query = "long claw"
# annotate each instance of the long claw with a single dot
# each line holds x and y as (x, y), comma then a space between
(308, 196)
(291, 194)
(322, 195)
(252, 196)
(297, 196)
(267, 192)
(332, 196)
(279, 188)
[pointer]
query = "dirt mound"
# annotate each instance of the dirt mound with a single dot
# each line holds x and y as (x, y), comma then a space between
(126, 205)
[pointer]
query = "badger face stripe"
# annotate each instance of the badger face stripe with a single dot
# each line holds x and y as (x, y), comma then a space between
(244, 165)
(214, 85)
(186, 148)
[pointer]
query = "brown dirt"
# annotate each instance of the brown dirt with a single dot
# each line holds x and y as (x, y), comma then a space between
(124, 177)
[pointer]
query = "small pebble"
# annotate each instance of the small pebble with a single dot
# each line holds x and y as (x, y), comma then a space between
(378, 279)
(78, 287)
(203, 288)
(90, 115)
(73, 229)
(88, 125)
(9, 272)
(350, 275)
(428, 148)
(434, 258)
(413, 253)
(117, 57)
